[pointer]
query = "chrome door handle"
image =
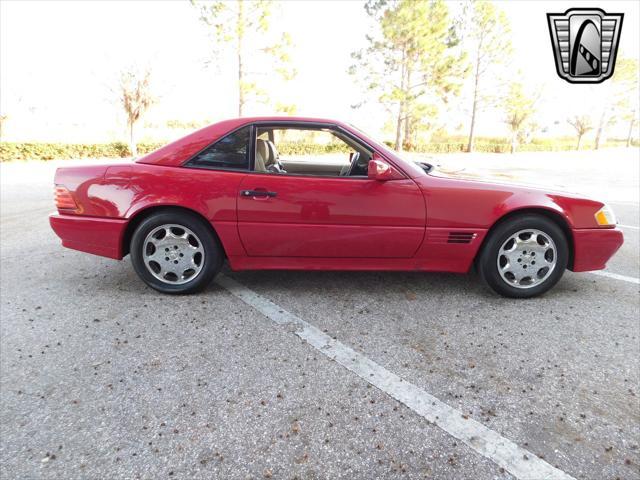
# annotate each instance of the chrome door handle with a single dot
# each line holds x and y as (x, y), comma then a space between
(257, 193)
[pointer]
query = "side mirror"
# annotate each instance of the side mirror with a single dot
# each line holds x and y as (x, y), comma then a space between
(380, 170)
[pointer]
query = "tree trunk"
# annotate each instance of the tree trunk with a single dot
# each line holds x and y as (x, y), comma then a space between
(407, 117)
(398, 144)
(132, 144)
(633, 120)
(240, 32)
(475, 104)
(401, 107)
(407, 133)
(473, 124)
(240, 87)
(514, 142)
(579, 141)
(600, 129)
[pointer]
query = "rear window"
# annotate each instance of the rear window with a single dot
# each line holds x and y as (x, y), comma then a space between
(230, 152)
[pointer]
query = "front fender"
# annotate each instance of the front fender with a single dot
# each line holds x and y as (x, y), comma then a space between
(462, 203)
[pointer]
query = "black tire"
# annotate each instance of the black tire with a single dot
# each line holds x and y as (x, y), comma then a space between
(213, 254)
(487, 262)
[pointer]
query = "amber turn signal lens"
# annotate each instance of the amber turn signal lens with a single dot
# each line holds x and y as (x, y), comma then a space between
(64, 199)
(605, 217)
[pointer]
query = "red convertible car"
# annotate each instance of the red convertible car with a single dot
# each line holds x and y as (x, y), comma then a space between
(315, 194)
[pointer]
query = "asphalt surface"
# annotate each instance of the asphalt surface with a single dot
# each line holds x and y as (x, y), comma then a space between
(101, 377)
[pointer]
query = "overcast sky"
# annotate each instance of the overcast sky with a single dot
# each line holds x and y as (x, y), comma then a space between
(59, 62)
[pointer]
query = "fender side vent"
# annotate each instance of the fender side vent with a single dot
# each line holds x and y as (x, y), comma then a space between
(461, 237)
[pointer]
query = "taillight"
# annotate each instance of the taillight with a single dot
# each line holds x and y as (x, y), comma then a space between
(64, 199)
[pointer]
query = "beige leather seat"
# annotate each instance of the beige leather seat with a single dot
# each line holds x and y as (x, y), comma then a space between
(262, 154)
(273, 153)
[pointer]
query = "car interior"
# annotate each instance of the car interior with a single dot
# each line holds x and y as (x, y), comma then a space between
(350, 159)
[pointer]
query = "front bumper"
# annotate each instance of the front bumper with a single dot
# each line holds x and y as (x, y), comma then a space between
(593, 247)
(99, 236)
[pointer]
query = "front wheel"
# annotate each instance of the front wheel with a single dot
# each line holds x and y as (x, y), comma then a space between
(175, 252)
(524, 257)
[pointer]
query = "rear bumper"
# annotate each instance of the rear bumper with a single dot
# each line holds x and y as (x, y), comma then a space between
(593, 247)
(99, 236)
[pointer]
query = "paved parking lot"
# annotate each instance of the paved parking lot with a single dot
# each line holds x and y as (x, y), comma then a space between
(315, 374)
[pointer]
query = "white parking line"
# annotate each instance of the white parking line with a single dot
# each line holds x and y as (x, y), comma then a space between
(516, 460)
(629, 226)
(615, 276)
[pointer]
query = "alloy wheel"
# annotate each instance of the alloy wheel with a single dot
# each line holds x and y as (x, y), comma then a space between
(173, 254)
(527, 258)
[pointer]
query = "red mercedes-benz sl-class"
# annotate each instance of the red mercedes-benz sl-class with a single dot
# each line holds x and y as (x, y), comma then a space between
(316, 194)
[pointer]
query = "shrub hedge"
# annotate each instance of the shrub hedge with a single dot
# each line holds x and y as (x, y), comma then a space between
(304, 148)
(481, 147)
(51, 151)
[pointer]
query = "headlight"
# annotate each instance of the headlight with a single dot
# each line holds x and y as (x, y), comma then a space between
(605, 217)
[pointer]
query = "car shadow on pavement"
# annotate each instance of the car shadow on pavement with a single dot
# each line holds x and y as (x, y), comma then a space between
(113, 277)
(412, 285)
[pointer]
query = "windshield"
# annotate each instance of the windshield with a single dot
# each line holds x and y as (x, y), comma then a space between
(415, 168)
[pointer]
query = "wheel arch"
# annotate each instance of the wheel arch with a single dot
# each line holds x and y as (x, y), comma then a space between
(144, 213)
(552, 215)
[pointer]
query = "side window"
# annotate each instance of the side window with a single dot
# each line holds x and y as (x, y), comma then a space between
(230, 152)
(309, 151)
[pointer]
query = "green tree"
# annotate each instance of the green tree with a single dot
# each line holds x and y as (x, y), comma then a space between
(286, 108)
(582, 124)
(628, 101)
(632, 118)
(619, 96)
(136, 98)
(519, 107)
(488, 38)
(606, 119)
(244, 24)
(411, 62)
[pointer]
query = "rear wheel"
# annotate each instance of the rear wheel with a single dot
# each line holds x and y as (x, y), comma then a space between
(175, 252)
(524, 257)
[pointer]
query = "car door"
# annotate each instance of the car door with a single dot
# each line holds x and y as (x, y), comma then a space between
(284, 215)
